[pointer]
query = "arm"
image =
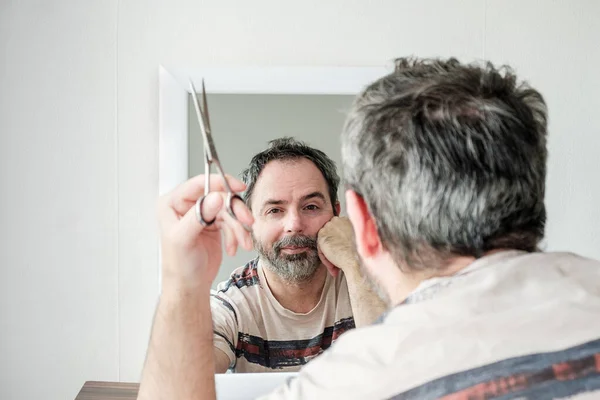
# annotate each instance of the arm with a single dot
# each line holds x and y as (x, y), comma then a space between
(180, 362)
(337, 252)
(367, 306)
(221, 320)
(221, 362)
(225, 328)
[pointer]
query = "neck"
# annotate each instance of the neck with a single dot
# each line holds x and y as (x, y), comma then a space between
(409, 281)
(298, 297)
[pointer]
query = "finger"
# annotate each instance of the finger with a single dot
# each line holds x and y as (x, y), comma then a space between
(238, 205)
(332, 269)
(190, 227)
(183, 197)
(229, 240)
(242, 213)
(165, 213)
(324, 232)
(241, 235)
(241, 222)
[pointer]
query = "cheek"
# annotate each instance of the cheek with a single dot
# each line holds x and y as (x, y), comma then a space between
(266, 233)
(317, 223)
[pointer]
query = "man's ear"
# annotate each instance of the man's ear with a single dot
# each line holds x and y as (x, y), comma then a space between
(336, 209)
(368, 243)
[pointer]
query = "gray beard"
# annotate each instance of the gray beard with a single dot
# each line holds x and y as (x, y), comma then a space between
(294, 268)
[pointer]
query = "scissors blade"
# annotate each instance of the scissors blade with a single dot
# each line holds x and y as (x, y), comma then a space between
(205, 104)
(209, 146)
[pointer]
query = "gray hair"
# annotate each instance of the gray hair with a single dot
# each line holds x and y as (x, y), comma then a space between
(450, 159)
(287, 148)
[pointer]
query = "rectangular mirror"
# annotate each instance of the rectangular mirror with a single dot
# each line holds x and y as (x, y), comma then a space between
(243, 124)
(248, 108)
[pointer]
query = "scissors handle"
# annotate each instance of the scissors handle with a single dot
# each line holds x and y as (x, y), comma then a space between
(210, 157)
(229, 203)
(230, 197)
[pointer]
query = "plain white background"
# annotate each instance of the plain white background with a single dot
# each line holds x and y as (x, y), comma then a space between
(79, 143)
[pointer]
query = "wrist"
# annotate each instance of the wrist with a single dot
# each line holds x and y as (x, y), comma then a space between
(352, 271)
(173, 287)
(186, 309)
(173, 280)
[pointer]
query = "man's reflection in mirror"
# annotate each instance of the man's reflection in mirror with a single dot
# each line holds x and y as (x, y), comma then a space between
(289, 304)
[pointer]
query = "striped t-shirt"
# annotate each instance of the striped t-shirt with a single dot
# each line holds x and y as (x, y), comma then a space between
(260, 335)
(511, 325)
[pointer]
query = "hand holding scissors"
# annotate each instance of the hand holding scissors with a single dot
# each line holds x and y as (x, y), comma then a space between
(210, 157)
(192, 217)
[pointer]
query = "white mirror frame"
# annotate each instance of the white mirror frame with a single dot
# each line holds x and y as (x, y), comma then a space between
(174, 90)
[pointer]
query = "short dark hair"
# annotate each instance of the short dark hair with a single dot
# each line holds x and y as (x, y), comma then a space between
(450, 159)
(288, 148)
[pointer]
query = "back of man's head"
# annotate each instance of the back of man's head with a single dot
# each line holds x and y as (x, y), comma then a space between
(290, 149)
(450, 159)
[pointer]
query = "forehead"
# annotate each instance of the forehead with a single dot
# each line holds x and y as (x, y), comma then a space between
(289, 180)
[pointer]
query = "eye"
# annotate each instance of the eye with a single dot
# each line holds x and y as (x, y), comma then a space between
(312, 207)
(274, 211)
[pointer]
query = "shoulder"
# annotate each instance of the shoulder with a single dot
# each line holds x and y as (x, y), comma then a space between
(556, 268)
(352, 368)
(235, 293)
(242, 277)
(566, 259)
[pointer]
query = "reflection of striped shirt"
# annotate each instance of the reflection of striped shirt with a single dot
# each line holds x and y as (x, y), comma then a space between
(259, 335)
(511, 325)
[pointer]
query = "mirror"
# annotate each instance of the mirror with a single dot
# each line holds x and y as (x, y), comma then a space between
(243, 124)
(248, 108)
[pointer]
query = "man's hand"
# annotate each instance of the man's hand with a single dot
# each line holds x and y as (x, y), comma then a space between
(180, 363)
(338, 252)
(191, 253)
(336, 247)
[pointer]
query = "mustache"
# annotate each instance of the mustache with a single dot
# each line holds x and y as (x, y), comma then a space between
(296, 241)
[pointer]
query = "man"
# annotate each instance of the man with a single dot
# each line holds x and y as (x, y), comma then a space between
(282, 309)
(445, 165)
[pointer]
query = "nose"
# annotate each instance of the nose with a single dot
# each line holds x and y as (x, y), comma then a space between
(293, 222)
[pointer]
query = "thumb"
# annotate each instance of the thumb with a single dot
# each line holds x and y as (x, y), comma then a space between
(211, 205)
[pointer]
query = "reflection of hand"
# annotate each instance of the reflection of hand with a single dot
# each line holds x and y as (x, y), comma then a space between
(191, 253)
(336, 246)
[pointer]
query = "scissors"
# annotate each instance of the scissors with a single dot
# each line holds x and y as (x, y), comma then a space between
(210, 157)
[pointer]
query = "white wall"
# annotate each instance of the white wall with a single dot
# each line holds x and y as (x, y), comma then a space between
(79, 171)
(58, 207)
